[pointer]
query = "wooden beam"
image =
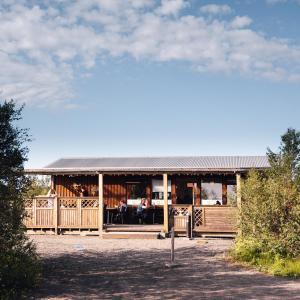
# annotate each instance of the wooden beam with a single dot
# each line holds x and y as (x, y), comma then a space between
(166, 207)
(198, 192)
(55, 214)
(173, 191)
(224, 192)
(100, 189)
(238, 190)
(149, 190)
(52, 182)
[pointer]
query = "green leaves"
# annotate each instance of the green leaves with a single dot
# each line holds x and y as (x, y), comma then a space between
(18, 260)
(270, 212)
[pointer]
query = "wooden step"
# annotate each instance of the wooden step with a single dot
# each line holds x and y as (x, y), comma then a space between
(133, 228)
(131, 235)
(218, 235)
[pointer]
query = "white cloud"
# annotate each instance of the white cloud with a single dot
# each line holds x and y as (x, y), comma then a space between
(171, 7)
(42, 50)
(240, 22)
(215, 9)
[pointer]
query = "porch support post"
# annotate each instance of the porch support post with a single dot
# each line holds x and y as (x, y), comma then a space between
(55, 214)
(166, 208)
(52, 182)
(100, 191)
(238, 190)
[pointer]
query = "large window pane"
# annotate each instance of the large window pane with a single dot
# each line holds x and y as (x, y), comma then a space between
(211, 193)
(158, 189)
(136, 190)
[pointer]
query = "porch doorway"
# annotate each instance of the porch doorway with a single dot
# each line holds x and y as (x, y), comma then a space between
(136, 200)
(186, 191)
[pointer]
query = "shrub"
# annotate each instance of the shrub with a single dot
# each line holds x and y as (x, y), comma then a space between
(269, 218)
(19, 270)
(18, 259)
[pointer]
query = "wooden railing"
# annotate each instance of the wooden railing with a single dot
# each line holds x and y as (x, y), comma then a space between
(83, 213)
(78, 212)
(40, 212)
(180, 213)
(55, 213)
(205, 218)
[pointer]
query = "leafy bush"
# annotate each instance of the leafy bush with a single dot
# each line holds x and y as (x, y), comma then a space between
(269, 223)
(258, 255)
(18, 259)
(19, 270)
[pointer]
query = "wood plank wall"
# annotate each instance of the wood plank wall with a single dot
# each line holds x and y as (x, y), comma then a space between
(63, 185)
(114, 189)
(115, 186)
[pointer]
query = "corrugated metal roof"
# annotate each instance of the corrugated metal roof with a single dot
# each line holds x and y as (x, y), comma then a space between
(144, 164)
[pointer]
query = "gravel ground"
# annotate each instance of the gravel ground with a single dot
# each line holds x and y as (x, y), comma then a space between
(76, 267)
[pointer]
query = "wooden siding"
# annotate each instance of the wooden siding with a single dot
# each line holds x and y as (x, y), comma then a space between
(114, 187)
(64, 185)
(114, 190)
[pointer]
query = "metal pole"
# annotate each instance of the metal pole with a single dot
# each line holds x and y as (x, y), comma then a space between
(191, 236)
(172, 245)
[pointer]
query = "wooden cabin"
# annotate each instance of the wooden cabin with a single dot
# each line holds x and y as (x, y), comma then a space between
(202, 192)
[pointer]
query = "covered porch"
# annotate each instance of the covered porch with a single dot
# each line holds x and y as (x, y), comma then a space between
(208, 200)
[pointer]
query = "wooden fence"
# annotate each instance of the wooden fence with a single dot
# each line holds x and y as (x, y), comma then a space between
(55, 213)
(83, 213)
(206, 218)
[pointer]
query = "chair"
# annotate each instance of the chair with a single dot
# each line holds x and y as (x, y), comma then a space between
(122, 213)
(142, 215)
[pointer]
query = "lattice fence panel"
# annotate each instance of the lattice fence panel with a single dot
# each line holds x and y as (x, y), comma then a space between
(44, 203)
(68, 203)
(198, 217)
(180, 211)
(89, 203)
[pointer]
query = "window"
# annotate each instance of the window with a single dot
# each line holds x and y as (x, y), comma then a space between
(136, 190)
(158, 189)
(211, 193)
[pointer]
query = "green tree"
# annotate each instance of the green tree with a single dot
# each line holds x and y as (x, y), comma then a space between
(39, 186)
(289, 152)
(270, 212)
(18, 259)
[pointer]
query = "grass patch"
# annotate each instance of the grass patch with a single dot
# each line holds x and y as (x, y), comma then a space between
(254, 254)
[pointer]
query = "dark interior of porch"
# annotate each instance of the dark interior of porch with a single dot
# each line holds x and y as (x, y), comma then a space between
(139, 199)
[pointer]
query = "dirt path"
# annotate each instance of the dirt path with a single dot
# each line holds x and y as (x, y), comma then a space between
(90, 268)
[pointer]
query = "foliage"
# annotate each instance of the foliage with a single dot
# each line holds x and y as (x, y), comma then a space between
(39, 186)
(269, 222)
(256, 254)
(18, 259)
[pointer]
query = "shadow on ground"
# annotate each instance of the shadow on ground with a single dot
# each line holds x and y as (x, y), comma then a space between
(143, 274)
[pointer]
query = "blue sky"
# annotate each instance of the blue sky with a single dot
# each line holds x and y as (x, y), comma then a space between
(122, 78)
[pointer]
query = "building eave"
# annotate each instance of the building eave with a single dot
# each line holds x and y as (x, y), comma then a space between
(137, 171)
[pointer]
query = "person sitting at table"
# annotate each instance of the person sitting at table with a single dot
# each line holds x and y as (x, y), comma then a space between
(122, 210)
(141, 211)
